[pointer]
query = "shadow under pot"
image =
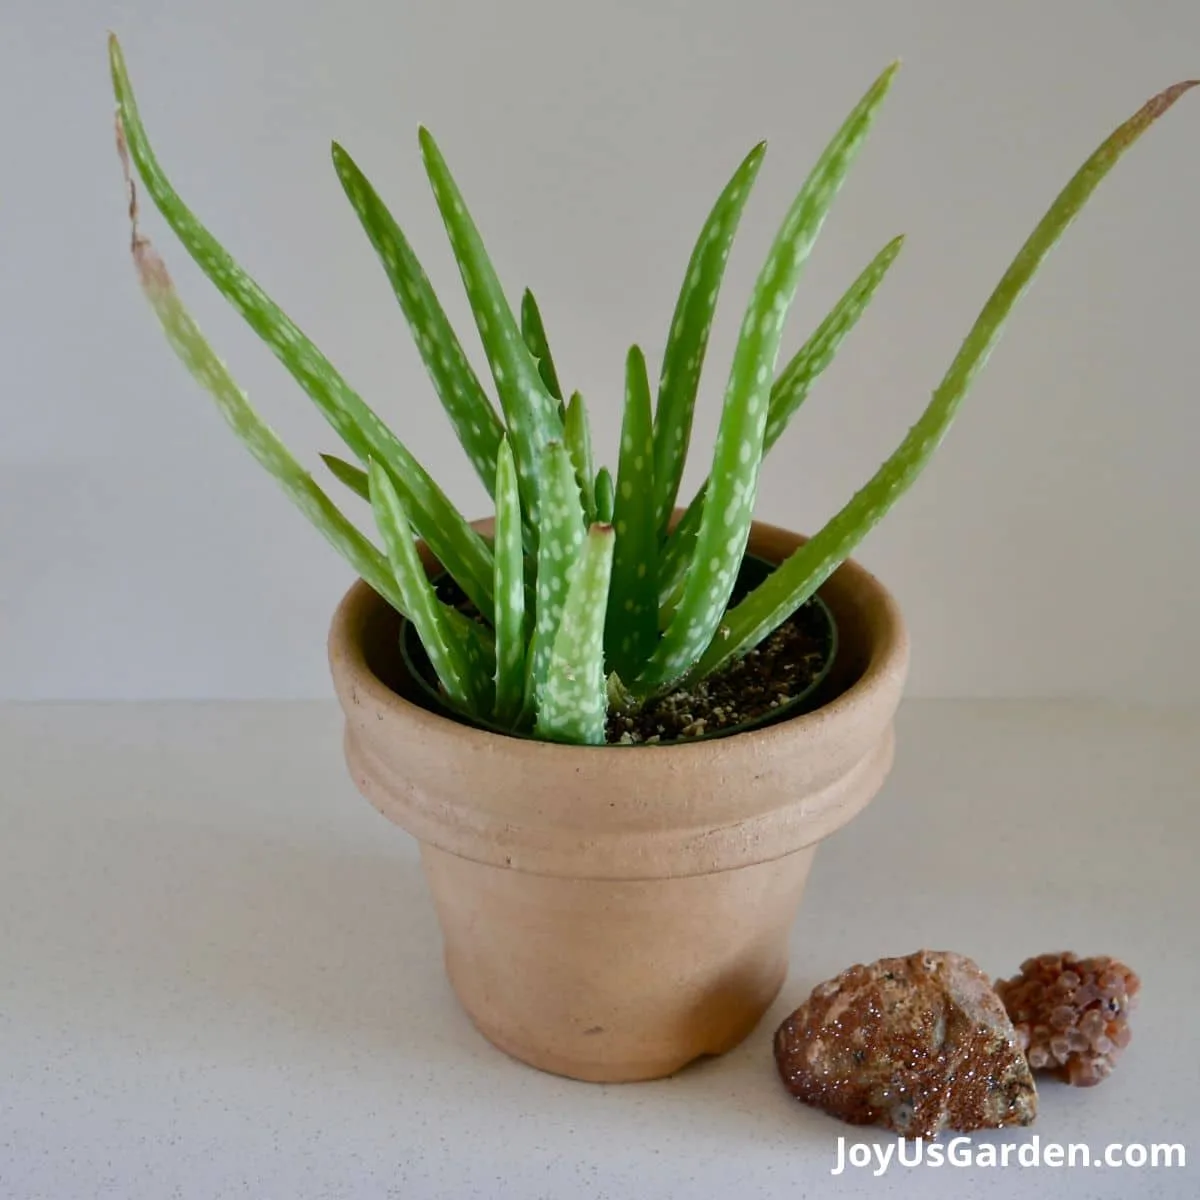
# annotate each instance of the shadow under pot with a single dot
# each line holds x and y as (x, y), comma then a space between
(783, 678)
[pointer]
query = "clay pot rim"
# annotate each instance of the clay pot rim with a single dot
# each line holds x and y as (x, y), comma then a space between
(887, 652)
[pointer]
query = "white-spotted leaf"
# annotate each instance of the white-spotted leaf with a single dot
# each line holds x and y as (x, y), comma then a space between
(631, 630)
(733, 479)
(455, 382)
(530, 412)
(789, 391)
(510, 624)
(462, 675)
(687, 341)
(574, 704)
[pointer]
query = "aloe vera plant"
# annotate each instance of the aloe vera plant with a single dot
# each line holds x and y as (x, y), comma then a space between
(590, 592)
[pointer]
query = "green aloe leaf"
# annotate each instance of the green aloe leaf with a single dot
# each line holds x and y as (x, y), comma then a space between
(574, 705)
(455, 382)
(578, 435)
(533, 331)
(691, 324)
(561, 535)
(189, 344)
(632, 626)
(455, 660)
(791, 388)
(789, 391)
(733, 480)
(455, 543)
(480, 642)
(605, 496)
(530, 412)
(349, 475)
(510, 591)
(803, 573)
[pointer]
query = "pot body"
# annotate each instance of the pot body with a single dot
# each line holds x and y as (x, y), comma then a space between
(612, 913)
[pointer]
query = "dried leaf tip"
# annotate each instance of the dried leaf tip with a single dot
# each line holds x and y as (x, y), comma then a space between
(152, 271)
(126, 169)
(1128, 132)
(1159, 104)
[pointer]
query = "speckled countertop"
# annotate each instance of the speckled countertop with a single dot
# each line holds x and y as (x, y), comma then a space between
(220, 974)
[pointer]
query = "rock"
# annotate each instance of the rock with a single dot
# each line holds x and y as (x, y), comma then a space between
(917, 1044)
(1071, 1014)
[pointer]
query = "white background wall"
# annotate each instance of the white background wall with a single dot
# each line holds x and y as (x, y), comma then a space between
(1051, 549)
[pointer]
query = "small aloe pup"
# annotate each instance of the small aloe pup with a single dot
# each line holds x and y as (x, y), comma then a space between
(589, 593)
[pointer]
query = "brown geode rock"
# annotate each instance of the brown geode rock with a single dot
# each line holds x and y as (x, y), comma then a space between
(917, 1044)
(1071, 1014)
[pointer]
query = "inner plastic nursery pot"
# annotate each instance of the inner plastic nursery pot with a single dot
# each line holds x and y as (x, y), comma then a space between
(753, 571)
(610, 914)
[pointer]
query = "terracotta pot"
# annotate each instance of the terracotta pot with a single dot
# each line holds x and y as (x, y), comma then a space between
(612, 913)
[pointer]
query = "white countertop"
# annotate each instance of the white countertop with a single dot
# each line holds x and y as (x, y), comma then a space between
(220, 974)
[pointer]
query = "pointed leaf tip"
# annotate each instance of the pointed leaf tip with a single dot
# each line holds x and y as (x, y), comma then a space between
(1159, 104)
(116, 64)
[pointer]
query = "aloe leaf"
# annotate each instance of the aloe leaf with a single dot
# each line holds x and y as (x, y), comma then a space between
(349, 475)
(673, 571)
(460, 673)
(533, 331)
(691, 323)
(455, 382)
(803, 573)
(574, 705)
(452, 539)
(676, 557)
(605, 496)
(632, 626)
(530, 412)
(787, 394)
(509, 623)
(578, 436)
(359, 483)
(560, 537)
(206, 368)
(733, 480)
(791, 388)
(481, 654)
